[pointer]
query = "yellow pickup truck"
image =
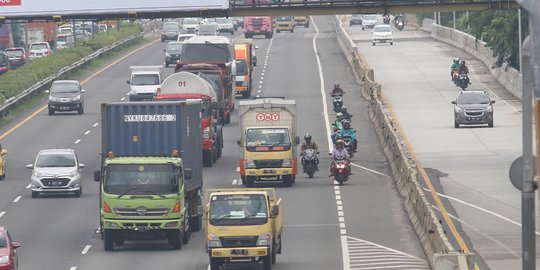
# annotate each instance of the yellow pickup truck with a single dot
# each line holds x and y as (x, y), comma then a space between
(243, 225)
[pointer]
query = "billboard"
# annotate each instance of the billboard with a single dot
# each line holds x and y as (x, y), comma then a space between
(85, 7)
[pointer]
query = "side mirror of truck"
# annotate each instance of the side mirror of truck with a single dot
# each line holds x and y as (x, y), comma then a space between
(97, 176)
(188, 173)
(275, 210)
(454, 102)
(128, 82)
(238, 142)
(296, 140)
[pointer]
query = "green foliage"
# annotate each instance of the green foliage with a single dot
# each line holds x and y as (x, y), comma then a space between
(15, 81)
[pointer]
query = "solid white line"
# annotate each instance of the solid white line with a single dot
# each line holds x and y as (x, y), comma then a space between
(2, 213)
(234, 182)
(237, 169)
(29, 186)
(95, 124)
(483, 210)
(77, 141)
(73, 268)
(86, 249)
(17, 199)
(369, 170)
(87, 132)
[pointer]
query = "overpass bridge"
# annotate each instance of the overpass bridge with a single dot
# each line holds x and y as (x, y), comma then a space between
(58, 10)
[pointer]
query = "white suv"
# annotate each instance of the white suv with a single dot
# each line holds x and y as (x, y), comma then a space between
(382, 33)
(56, 171)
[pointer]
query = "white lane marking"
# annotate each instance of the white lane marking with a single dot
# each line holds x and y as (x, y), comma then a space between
(73, 268)
(483, 210)
(260, 86)
(369, 170)
(86, 249)
(338, 197)
(260, 82)
(343, 231)
(2, 213)
(262, 73)
(258, 96)
(77, 141)
(234, 182)
(311, 225)
(340, 213)
(87, 132)
(29, 186)
(337, 192)
(340, 208)
(258, 91)
(122, 99)
(341, 219)
(209, 268)
(237, 169)
(344, 246)
(127, 94)
(17, 199)
(95, 124)
(508, 249)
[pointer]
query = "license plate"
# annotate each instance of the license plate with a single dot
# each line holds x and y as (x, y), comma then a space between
(64, 108)
(239, 252)
(269, 171)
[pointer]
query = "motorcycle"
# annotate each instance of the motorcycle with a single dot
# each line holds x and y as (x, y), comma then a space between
(386, 19)
(341, 169)
(399, 24)
(455, 77)
(463, 81)
(338, 102)
(349, 144)
(310, 161)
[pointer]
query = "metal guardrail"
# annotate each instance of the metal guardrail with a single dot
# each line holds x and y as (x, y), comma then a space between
(39, 85)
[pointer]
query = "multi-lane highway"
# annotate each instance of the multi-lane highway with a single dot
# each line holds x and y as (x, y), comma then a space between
(361, 225)
(469, 165)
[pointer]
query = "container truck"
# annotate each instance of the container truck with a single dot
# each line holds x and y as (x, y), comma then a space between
(244, 67)
(151, 172)
(243, 225)
(188, 86)
(41, 32)
(268, 140)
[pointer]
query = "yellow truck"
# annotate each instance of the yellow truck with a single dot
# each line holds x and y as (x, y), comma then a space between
(302, 20)
(243, 225)
(268, 140)
(284, 23)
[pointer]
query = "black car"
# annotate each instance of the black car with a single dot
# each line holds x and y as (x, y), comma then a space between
(355, 19)
(473, 107)
(17, 56)
(5, 66)
(173, 53)
(66, 95)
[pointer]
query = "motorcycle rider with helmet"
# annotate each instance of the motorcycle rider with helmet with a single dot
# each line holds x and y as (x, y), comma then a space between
(349, 131)
(454, 68)
(337, 90)
(338, 152)
(346, 114)
(308, 144)
(463, 69)
(338, 123)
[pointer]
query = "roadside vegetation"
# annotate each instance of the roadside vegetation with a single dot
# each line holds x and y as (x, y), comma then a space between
(16, 81)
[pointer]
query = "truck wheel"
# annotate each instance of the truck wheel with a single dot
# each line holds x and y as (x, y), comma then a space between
(287, 180)
(215, 264)
(214, 155)
(250, 180)
(207, 158)
(306, 25)
(267, 262)
(277, 31)
(108, 240)
(195, 222)
(245, 94)
(292, 30)
(174, 237)
(119, 239)
(187, 230)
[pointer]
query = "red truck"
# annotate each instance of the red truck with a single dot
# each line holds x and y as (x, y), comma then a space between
(185, 86)
(222, 78)
(258, 25)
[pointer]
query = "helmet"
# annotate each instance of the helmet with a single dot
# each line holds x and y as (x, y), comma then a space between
(456, 60)
(307, 137)
(343, 109)
(463, 62)
(340, 142)
(346, 124)
(339, 115)
(336, 85)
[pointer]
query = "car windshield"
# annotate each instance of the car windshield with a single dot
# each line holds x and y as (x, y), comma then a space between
(223, 21)
(267, 136)
(64, 87)
(283, 18)
(227, 210)
(382, 28)
(65, 31)
(171, 27)
(145, 79)
(141, 179)
(183, 38)
(473, 99)
(14, 53)
(3, 241)
(370, 17)
(55, 160)
(205, 53)
(191, 21)
(61, 39)
(174, 47)
(241, 69)
(40, 46)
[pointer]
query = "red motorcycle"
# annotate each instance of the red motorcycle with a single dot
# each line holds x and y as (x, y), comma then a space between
(341, 169)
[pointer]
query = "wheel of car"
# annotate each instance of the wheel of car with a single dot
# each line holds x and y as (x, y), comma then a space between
(51, 111)
(350, 24)
(363, 28)
(490, 124)
(35, 194)
(373, 43)
(456, 124)
(277, 31)
(391, 43)
(78, 192)
(80, 111)
(292, 30)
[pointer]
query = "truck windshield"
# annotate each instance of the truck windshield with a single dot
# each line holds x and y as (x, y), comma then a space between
(241, 69)
(284, 18)
(140, 179)
(267, 137)
(145, 79)
(204, 53)
(227, 210)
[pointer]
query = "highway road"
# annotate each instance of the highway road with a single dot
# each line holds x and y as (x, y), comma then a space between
(361, 225)
(469, 165)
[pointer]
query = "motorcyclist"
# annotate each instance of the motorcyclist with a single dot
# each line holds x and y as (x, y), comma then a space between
(454, 68)
(338, 152)
(337, 90)
(308, 144)
(346, 114)
(463, 69)
(335, 135)
(349, 131)
(338, 123)
(386, 19)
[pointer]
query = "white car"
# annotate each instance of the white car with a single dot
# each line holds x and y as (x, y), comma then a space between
(39, 49)
(382, 33)
(369, 21)
(225, 25)
(190, 25)
(184, 37)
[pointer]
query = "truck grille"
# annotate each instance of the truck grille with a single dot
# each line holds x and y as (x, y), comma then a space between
(141, 212)
(268, 163)
(55, 182)
(238, 241)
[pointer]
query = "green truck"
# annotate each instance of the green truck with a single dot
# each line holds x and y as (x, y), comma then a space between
(151, 172)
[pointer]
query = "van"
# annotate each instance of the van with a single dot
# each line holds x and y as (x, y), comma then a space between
(284, 23)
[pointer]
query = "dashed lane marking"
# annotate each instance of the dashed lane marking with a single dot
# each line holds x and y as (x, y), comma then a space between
(122, 99)
(77, 141)
(29, 186)
(234, 182)
(86, 249)
(95, 124)
(73, 268)
(237, 169)
(2, 213)
(17, 199)
(87, 132)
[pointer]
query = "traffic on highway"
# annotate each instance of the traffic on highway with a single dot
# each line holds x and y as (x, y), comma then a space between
(243, 143)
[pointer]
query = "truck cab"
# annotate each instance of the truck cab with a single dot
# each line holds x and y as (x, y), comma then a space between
(258, 26)
(284, 23)
(143, 82)
(243, 225)
(244, 67)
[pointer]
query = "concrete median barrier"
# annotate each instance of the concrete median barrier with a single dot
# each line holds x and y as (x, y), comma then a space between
(439, 251)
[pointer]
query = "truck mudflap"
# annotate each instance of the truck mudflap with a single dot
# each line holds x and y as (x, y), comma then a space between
(269, 172)
(142, 225)
(240, 252)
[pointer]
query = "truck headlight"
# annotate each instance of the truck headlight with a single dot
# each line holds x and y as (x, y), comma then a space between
(4, 260)
(206, 133)
(250, 164)
(264, 239)
(213, 241)
(287, 162)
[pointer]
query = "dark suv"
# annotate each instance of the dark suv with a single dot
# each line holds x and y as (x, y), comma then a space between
(66, 95)
(473, 107)
(17, 56)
